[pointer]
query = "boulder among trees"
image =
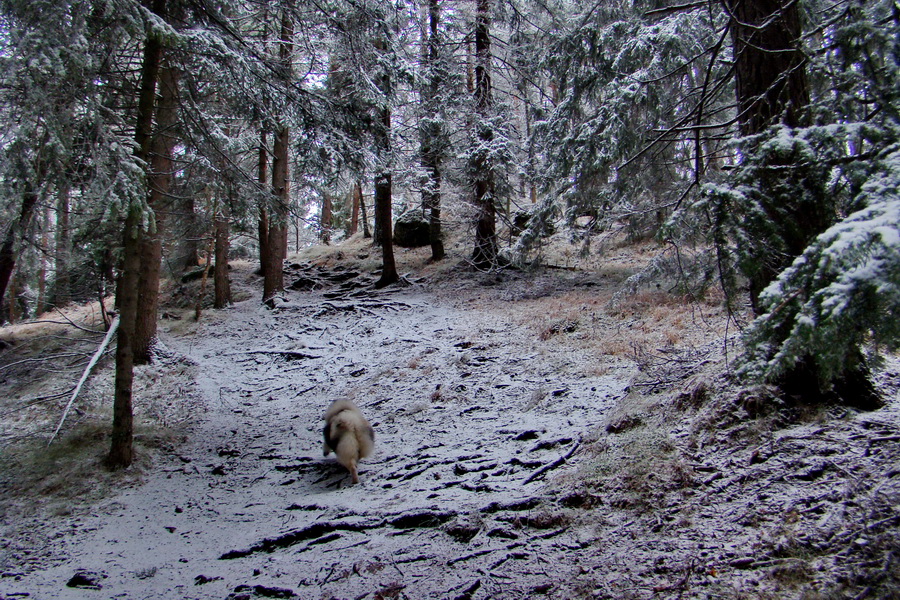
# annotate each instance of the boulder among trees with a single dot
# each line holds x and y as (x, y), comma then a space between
(412, 230)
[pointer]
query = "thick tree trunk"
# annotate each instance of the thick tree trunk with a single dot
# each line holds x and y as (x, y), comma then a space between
(273, 276)
(273, 273)
(771, 86)
(12, 301)
(383, 213)
(770, 75)
(186, 229)
(383, 191)
(431, 156)
(377, 233)
(160, 181)
(121, 447)
(14, 233)
(432, 202)
(486, 247)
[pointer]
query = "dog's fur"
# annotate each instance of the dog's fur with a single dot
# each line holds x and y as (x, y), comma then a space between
(348, 435)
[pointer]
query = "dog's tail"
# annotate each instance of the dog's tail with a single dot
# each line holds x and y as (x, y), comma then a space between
(338, 406)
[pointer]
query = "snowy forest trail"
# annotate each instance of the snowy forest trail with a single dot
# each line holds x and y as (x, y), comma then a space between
(471, 418)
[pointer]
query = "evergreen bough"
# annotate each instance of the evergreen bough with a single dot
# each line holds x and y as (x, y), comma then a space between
(841, 294)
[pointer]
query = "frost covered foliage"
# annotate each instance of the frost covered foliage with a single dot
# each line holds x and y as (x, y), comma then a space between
(626, 82)
(841, 293)
(56, 99)
(812, 215)
(775, 203)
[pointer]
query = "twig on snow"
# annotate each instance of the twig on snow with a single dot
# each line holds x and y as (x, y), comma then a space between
(556, 463)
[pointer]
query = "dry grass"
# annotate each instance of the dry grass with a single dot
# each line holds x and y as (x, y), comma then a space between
(637, 468)
(55, 322)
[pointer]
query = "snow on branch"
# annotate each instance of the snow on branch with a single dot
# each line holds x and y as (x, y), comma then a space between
(841, 293)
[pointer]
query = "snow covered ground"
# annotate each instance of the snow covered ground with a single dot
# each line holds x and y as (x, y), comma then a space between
(470, 417)
(511, 461)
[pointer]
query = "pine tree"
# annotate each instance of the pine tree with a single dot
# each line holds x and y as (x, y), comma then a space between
(276, 237)
(160, 175)
(486, 246)
(433, 135)
(122, 435)
(838, 295)
(770, 81)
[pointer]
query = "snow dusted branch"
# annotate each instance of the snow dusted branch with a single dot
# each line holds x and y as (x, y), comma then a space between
(84, 376)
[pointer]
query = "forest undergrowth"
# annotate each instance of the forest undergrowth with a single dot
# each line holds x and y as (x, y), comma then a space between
(680, 482)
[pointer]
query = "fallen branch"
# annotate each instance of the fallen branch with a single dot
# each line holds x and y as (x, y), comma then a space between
(289, 354)
(306, 534)
(84, 376)
(35, 402)
(556, 463)
(479, 553)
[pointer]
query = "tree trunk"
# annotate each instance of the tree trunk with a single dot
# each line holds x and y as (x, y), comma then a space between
(12, 302)
(377, 234)
(354, 213)
(362, 209)
(121, 447)
(263, 178)
(15, 232)
(769, 66)
(771, 86)
(273, 274)
(383, 212)
(62, 281)
(485, 254)
(432, 135)
(45, 252)
(383, 191)
(188, 234)
(326, 219)
(221, 283)
(160, 182)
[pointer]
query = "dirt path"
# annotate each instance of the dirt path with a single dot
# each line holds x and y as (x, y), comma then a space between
(509, 463)
(471, 419)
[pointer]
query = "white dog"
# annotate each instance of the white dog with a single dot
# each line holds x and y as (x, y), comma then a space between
(348, 435)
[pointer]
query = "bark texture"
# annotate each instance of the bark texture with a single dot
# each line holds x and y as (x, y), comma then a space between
(485, 254)
(431, 137)
(62, 282)
(276, 242)
(769, 67)
(160, 181)
(221, 283)
(121, 451)
(15, 231)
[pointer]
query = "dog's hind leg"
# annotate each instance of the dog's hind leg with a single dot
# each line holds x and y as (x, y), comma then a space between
(354, 474)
